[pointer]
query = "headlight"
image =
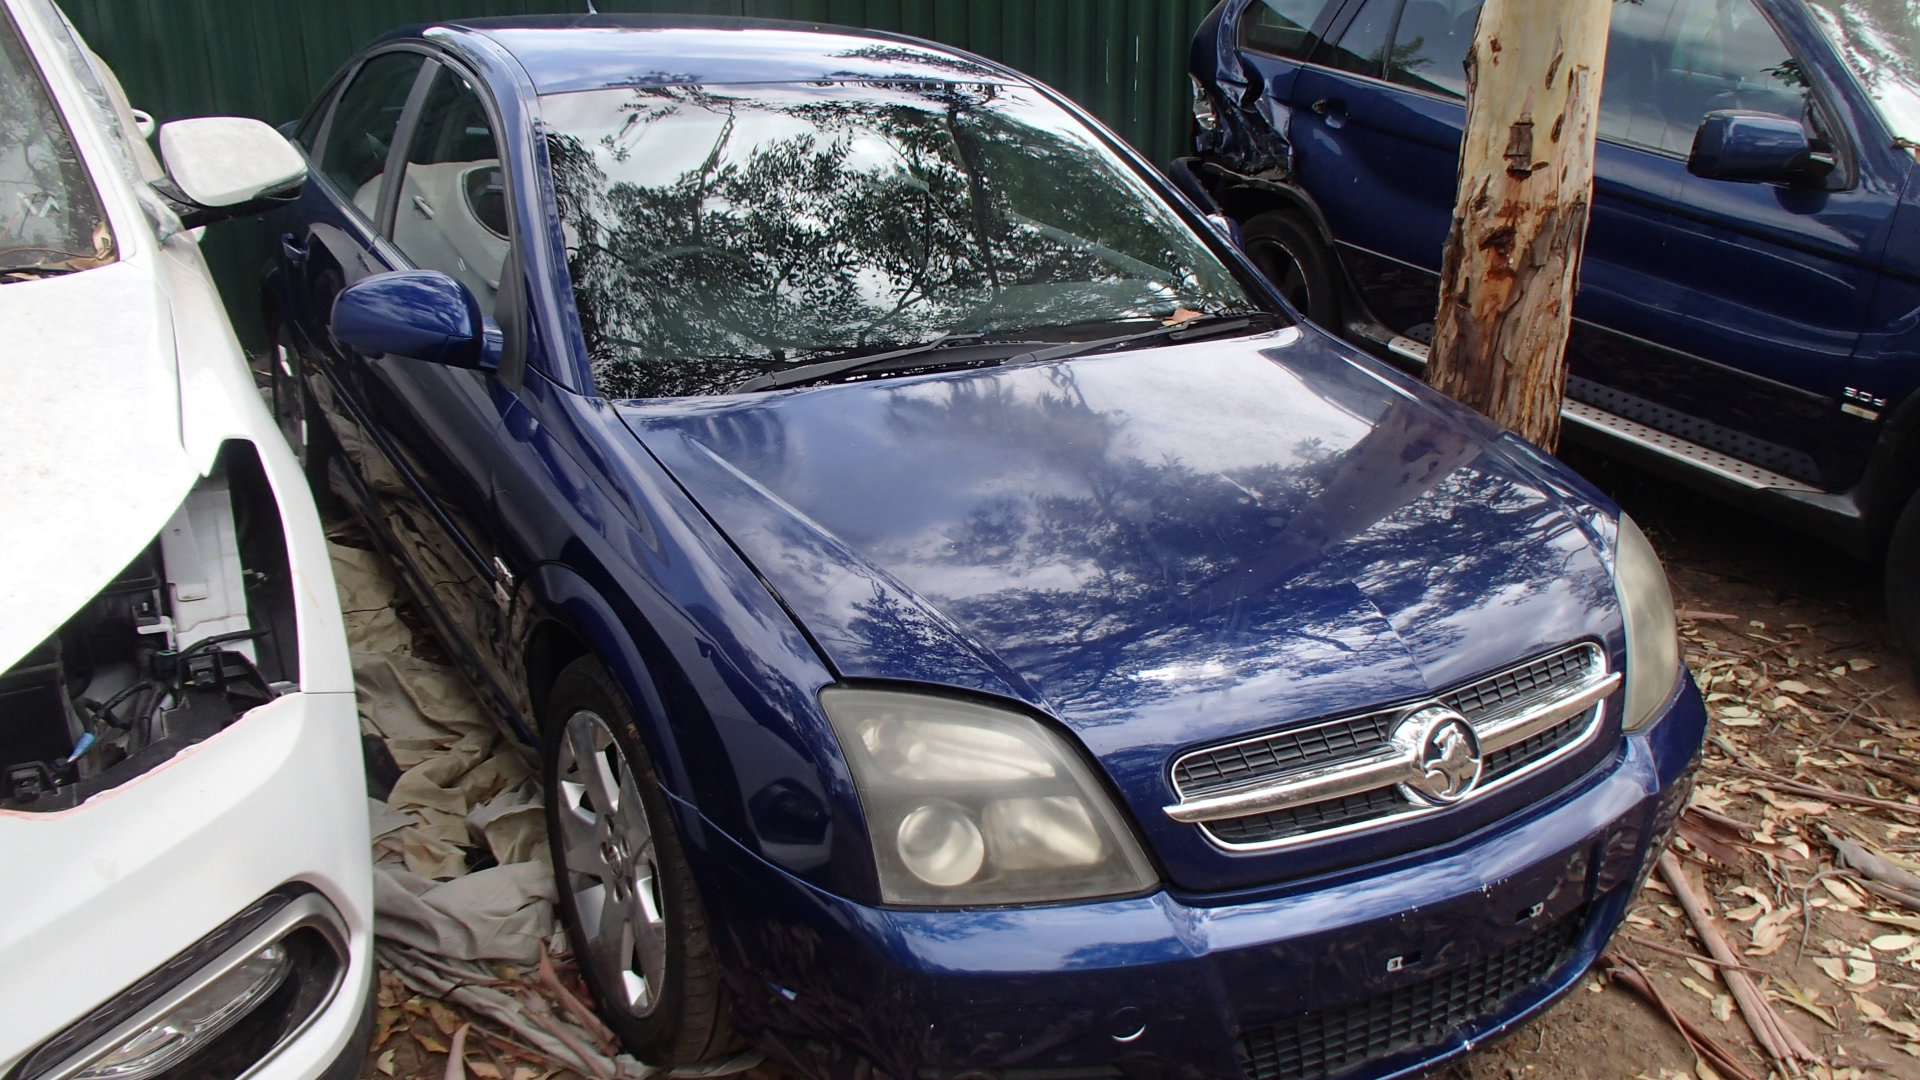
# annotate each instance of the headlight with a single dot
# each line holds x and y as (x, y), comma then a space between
(974, 805)
(1653, 644)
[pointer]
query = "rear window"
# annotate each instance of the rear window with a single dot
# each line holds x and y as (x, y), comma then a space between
(51, 221)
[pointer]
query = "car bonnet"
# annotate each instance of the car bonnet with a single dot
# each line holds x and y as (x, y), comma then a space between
(1158, 546)
(91, 459)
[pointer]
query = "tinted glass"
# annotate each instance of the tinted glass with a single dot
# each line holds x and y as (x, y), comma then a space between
(715, 233)
(50, 215)
(1880, 41)
(1362, 48)
(1282, 27)
(361, 131)
(452, 210)
(1670, 62)
(1430, 45)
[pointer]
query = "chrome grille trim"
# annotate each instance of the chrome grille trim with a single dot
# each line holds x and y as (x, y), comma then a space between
(1521, 708)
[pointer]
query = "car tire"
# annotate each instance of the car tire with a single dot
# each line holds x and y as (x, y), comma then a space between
(1903, 582)
(1289, 251)
(626, 893)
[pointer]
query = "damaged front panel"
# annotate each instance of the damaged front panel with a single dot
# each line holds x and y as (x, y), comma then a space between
(191, 635)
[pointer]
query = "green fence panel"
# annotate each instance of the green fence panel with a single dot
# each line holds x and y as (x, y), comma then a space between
(1124, 60)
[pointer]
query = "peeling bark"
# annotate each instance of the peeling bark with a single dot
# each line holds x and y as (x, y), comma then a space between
(1512, 258)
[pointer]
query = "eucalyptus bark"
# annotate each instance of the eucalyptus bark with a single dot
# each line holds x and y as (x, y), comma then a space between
(1520, 216)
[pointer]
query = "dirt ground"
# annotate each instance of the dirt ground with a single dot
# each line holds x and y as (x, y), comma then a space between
(1813, 748)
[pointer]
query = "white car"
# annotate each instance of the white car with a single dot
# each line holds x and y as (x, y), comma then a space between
(182, 810)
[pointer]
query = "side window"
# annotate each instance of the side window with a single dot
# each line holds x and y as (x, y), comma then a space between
(1282, 27)
(1362, 48)
(1670, 62)
(364, 119)
(452, 215)
(1430, 46)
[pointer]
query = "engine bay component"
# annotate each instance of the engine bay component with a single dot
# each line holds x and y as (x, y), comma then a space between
(193, 633)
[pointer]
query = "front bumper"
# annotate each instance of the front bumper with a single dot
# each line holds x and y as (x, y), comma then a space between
(1382, 970)
(128, 889)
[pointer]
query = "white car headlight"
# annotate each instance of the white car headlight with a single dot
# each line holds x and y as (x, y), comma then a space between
(1653, 642)
(969, 804)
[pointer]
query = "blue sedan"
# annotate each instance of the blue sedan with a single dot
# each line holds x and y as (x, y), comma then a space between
(971, 627)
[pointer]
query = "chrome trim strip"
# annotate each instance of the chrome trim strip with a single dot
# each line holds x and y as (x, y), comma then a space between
(1504, 732)
(1258, 740)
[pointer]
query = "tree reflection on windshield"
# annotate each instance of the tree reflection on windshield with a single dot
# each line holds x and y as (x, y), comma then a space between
(716, 233)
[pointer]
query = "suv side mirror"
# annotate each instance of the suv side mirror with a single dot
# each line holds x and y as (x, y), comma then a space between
(221, 167)
(419, 314)
(1755, 147)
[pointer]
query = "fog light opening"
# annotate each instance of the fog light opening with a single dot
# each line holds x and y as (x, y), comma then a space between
(195, 1020)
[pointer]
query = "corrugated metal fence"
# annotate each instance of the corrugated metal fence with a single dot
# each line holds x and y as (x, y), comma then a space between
(1125, 60)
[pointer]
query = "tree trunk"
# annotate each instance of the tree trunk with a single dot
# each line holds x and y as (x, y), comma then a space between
(1520, 215)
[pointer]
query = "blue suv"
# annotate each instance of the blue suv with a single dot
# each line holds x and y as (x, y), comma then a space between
(1749, 308)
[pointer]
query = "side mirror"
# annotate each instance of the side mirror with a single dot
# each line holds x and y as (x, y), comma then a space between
(221, 167)
(420, 314)
(1757, 148)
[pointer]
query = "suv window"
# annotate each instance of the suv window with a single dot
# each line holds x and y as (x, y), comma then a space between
(1430, 46)
(1670, 62)
(452, 213)
(1362, 46)
(1283, 27)
(361, 131)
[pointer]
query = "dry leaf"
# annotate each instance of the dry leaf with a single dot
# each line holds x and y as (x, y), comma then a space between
(384, 1063)
(1893, 943)
(1695, 985)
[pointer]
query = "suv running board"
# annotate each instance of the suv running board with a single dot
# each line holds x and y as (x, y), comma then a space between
(1650, 440)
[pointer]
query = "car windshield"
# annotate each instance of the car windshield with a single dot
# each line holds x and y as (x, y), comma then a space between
(50, 216)
(716, 233)
(1880, 40)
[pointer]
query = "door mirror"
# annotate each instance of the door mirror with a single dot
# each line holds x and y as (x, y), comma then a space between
(221, 167)
(1755, 147)
(420, 314)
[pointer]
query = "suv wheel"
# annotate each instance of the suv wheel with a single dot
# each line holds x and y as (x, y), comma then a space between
(627, 896)
(1289, 251)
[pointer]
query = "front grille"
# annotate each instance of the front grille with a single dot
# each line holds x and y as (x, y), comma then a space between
(1239, 763)
(1325, 1044)
(1511, 759)
(1522, 686)
(1492, 705)
(1331, 814)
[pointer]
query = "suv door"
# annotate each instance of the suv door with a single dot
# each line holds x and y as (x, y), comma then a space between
(1682, 319)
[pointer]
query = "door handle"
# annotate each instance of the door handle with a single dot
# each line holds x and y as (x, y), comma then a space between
(1327, 106)
(425, 208)
(294, 252)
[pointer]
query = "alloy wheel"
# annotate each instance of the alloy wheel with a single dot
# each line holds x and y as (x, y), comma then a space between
(612, 864)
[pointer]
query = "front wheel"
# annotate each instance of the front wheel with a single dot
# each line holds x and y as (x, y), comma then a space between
(626, 893)
(1903, 582)
(1289, 251)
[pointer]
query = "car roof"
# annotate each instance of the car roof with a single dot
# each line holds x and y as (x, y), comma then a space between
(590, 52)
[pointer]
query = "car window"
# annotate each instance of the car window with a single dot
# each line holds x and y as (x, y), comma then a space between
(1362, 47)
(1670, 62)
(51, 219)
(1283, 27)
(1880, 41)
(718, 233)
(1430, 46)
(361, 131)
(452, 212)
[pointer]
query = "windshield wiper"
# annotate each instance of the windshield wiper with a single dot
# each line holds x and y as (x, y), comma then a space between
(1205, 326)
(827, 369)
